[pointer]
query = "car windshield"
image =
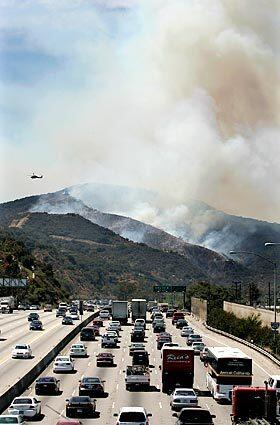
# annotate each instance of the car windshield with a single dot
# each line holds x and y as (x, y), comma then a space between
(195, 417)
(21, 347)
(185, 393)
(46, 379)
(22, 401)
(132, 417)
(80, 400)
(9, 420)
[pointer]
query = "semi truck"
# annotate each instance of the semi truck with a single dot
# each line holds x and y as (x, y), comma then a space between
(257, 404)
(7, 304)
(177, 368)
(138, 309)
(120, 311)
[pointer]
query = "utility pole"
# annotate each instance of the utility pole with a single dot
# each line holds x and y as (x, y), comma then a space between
(269, 295)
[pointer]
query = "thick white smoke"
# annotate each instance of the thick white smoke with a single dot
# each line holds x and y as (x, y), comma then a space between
(186, 105)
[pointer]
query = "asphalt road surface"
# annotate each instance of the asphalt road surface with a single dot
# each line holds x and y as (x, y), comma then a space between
(155, 402)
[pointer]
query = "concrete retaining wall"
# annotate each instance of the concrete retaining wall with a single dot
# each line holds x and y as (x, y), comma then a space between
(199, 308)
(7, 397)
(241, 310)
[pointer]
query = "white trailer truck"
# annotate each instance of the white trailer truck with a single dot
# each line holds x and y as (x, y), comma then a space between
(120, 311)
(7, 304)
(138, 309)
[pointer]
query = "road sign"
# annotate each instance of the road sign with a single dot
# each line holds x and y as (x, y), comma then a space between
(169, 288)
(275, 325)
(13, 282)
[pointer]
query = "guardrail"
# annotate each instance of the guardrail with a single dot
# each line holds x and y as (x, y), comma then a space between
(242, 341)
(20, 386)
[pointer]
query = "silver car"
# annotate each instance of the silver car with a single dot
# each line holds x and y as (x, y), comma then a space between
(183, 397)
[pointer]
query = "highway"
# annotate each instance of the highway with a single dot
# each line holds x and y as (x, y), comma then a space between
(15, 329)
(155, 402)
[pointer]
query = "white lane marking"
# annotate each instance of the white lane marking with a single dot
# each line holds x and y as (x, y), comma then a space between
(73, 392)
(155, 372)
(122, 359)
(124, 350)
(158, 386)
(89, 363)
(113, 405)
(120, 372)
(160, 405)
(219, 342)
(117, 386)
(82, 377)
(207, 406)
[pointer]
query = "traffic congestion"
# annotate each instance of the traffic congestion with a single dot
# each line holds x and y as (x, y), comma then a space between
(143, 363)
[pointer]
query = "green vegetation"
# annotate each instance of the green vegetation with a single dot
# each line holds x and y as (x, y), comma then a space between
(17, 261)
(249, 329)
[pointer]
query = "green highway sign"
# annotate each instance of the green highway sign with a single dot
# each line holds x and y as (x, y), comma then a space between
(169, 288)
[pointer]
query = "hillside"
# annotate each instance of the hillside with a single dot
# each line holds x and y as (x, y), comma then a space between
(87, 258)
(18, 261)
(210, 263)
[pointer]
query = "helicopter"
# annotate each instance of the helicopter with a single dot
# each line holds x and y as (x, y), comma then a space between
(34, 176)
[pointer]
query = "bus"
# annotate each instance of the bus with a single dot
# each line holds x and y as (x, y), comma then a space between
(226, 368)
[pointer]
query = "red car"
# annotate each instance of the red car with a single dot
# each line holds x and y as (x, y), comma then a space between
(105, 359)
(96, 330)
(97, 322)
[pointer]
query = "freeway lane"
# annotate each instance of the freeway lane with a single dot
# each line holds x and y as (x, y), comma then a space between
(53, 407)
(40, 341)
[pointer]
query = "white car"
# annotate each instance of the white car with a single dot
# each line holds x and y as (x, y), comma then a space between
(104, 314)
(63, 364)
(168, 344)
(34, 307)
(186, 331)
(22, 351)
(74, 316)
(132, 416)
(116, 324)
(183, 397)
(28, 407)
(78, 350)
(12, 419)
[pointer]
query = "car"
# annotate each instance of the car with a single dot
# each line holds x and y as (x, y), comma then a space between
(47, 385)
(133, 416)
(63, 364)
(170, 312)
(98, 322)
(112, 328)
(194, 416)
(88, 334)
(22, 351)
(137, 335)
(12, 419)
(36, 325)
(78, 350)
(159, 327)
(194, 338)
(33, 316)
(28, 407)
(274, 382)
(183, 397)
(80, 406)
(67, 320)
(140, 357)
(22, 306)
(34, 307)
(108, 341)
(140, 323)
(181, 323)
(156, 315)
(104, 314)
(186, 331)
(114, 334)
(203, 354)
(197, 347)
(91, 386)
(61, 312)
(74, 315)
(163, 340)
(96, 329)
(117, 324)
(48, 308)
(176, 316)
(136, 346)
(104, 359)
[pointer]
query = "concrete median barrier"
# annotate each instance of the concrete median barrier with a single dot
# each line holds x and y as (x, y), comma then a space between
(23, 383)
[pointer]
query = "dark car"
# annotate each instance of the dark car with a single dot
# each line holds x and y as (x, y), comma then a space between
(80, 406)
(140, 357)
(170, 312)
(87, 334)
(159, 327)
(47, 385)
(36, 325)
(91, 386)
(181, 323)
(33, 316)
(194, 416)
(104, 359)
(67, 320)
(61, 312)
(162, 340)
(138, 335)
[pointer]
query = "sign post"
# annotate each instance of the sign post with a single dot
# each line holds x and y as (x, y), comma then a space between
(172, 289)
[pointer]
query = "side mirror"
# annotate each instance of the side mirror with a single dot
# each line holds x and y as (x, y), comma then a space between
(115, 414)
(175, 415)
(213, 416)
(67, 399)
(149, 414)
